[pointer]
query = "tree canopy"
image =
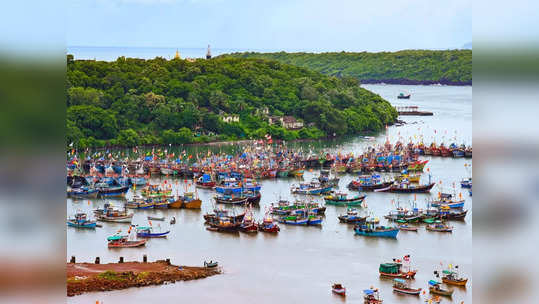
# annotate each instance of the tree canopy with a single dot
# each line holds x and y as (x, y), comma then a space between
(131, 101)
(408, 66)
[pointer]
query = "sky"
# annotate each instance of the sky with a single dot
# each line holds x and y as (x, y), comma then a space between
(288, 25)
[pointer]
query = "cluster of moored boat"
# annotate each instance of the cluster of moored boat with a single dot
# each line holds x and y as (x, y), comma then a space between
(402, 278)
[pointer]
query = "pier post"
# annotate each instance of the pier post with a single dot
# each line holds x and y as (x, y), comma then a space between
(121, 260)
(97, 260)
(144, 258)
(72, 261)
(168, 261)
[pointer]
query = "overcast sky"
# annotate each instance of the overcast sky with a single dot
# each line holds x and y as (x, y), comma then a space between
(309, 25)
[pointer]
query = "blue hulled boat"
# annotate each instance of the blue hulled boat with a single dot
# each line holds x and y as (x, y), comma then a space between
(81, 221)
(147, 232)
(312, 188)
(370, 228)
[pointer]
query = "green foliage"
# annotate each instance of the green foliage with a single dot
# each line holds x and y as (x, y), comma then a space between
(131, 102)
(421, 65)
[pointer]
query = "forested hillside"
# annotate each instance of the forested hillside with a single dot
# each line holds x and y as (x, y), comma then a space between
(452, 67)
(135, 101)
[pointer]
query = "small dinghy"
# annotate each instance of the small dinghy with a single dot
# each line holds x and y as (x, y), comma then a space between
(338, 289)
(210, 264)
(434, 288)
(403, 286)
(155, 218)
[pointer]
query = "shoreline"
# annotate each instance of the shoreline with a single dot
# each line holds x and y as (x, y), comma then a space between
(88, 277)
(404, 81)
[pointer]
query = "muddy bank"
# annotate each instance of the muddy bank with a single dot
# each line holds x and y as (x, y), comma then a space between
(404, 81)
(86, 277)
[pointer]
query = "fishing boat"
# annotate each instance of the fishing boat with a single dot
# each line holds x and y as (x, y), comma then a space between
(447, 213)
(369, 183)
(297, 172)
(403, 96)
(370, 228)
(80, 220)
(82, 192)
(219, 213)
(248, 224)
(407, 227)
(312, 188)
(338, 289)
(466, 183)
(417, 166)
(314, 220)
(351, 217)
(435, 288)
(224, 224)
(371, 296)
(230, 199)
(122, 241)
(139, 202)
(109, 214)
(446, 199)
(157, 190)
(268, 225)
(205, 182)
(342, 199)
(403, 286)
(111, 190)
(326, 178)
(190, 200)
(148, 232)
(439, 226)
(409, 188)
(294, 220)
(253, 197)
(452, 278)
(395, 269)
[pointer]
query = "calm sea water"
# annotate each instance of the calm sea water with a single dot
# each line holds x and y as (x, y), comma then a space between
(300, 263)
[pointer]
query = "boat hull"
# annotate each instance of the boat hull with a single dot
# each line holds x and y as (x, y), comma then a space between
(385, 233)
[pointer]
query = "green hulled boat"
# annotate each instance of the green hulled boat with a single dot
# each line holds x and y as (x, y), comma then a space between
(341, 199)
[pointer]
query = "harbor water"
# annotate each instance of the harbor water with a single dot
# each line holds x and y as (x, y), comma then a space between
(299, 264)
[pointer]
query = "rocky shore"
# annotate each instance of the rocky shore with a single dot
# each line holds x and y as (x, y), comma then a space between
(86, 277)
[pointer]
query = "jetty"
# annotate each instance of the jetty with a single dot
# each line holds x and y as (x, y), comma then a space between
(412, 111)
(88, 277)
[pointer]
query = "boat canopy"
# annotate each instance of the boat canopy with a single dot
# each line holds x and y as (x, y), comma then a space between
(433, 283)
(400, 281)
(447, 272)
(144, 228)
(368, 291)
(115, 238)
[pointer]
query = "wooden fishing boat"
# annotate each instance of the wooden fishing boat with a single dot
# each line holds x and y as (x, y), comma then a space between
(351, 217)
(294, 220)
(253, 197)
(109, 214)
(406, 227)
(83, 192)
(342, 199)
(452, 278)
(248, 224)
(119, 241)
(314, 220)
(466, 183)
(417, 166)
(283, 172)
(369, 183)
(402, 286)
(446, 199)
(224, 224)
(190, 201)
(403, 96)
(407, 188)
(205, 182)
(297, 172)
(80, 220)
(148, 232)
(371, 296)
(373, 230)
(395, 270)
(312, 188)
(438, 226)
(435, 288)
(233, 200)
(268, 225)
(338, 289)
(111, 191)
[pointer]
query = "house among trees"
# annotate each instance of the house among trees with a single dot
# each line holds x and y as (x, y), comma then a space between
(228, 118)
(288, 122)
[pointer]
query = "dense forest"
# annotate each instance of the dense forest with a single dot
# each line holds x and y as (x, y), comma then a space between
(131, 102)
(452, 67)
